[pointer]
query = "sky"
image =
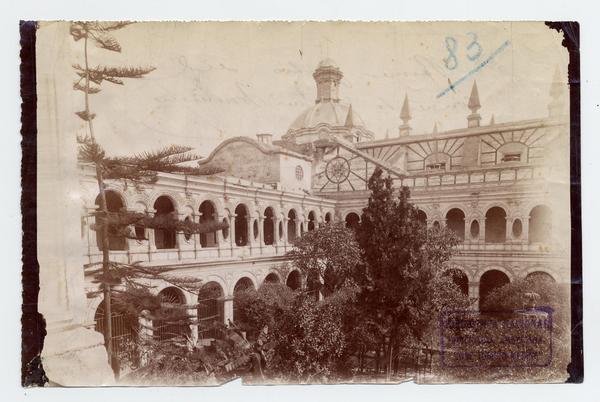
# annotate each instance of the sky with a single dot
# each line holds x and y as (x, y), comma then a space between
(215, 81)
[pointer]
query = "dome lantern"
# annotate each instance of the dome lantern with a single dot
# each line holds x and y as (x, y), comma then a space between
(327, 77)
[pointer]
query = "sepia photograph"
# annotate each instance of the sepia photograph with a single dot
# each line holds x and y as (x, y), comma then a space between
(301, 203)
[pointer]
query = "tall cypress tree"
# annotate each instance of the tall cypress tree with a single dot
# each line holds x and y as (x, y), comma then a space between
(405, 263)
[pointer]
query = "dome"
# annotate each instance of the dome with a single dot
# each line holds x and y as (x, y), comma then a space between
(332, 113)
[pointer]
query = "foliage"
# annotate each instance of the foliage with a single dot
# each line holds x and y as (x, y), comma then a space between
(328, 256)
(529, 300)
(405, 264)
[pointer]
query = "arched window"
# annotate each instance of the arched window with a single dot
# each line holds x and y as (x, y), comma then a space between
(490, 281)
(125, 328)
(241, 225)
(187, 236)
(272, 278)
(242, 285)
(539, 276)
(164, 238)
(474, 230)
(352, 220)
(255, 230)
(436, 224)
(422, 218)
(269, 227)
(311, 221)
(294, 280)
(540, 224)
(291, 226)
(280, 230)
(517, 228)
(328, 217)
(495, 225)
(455, 221)
(225, 230)
(114, 203)
(208, 215)
(210, 310)
(167, 329)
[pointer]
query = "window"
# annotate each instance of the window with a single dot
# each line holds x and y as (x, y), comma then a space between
(512, 157)
(436, 166)
(299, 173)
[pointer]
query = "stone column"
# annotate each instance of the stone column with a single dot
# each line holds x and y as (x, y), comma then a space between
(525, 235)
(482, 230)
(227, 309)
(474, 294)
(73, 355)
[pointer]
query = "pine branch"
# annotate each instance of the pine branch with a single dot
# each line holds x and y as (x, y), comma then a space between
(106, 41)
(91, 90)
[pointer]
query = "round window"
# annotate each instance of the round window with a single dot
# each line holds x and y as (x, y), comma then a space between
(299, 173)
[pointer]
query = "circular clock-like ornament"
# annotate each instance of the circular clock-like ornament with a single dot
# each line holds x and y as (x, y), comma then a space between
(337, 169)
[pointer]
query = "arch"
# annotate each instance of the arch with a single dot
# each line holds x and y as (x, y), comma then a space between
(312, 218)
(352, 220)
(208, 215)
(243, 284)
(540, 275)
(210, 310)
(125, 328)
(291, 225)
(455, 221)
(294, 280)
(460, 279)
(540, 224)
(241, 225)
(495, 225)
(436, 224)
(272, 278)
(164, 238)
(328, 217)
(114, 203)
(489, 281)
(422, 218)
(163, 329)
(269, 226)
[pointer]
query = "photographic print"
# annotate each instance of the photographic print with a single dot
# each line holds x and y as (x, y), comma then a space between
(300, 203)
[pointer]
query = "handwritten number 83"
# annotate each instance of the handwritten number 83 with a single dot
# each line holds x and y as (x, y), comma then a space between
(474, 50)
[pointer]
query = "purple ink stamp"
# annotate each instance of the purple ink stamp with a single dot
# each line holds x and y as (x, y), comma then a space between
(522, 338)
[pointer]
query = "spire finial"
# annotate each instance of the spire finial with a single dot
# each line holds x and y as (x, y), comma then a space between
(492, 120)
(474, 105)
(349, 118)
(405, 112)
(387, 133)
(405, 116)
(435, 128)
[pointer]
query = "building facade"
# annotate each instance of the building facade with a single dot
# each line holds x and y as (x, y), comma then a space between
(503, 188)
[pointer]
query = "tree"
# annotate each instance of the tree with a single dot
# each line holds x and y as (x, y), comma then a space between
(405, 284)
(328, 256)
(137, 169)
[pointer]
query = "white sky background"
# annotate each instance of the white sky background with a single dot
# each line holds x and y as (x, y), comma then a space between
(219, 80)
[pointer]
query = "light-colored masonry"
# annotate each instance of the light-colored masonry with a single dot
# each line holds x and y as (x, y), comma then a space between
(502, 187)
